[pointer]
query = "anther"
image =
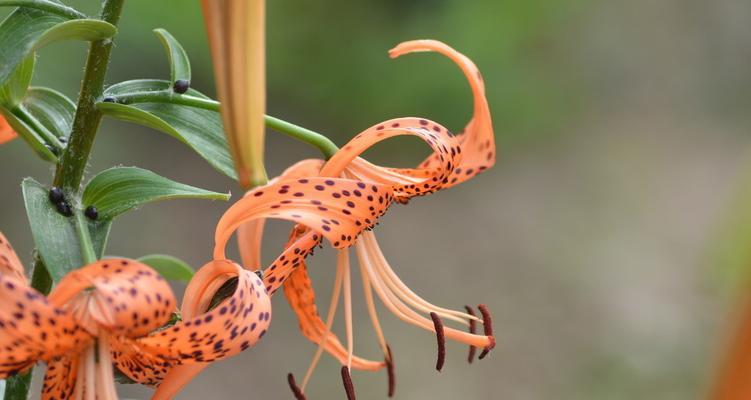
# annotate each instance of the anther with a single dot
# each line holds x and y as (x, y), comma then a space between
(472, 330)
(440, 337)
(487, 323)
(64, 208)
(181, 86)
(91, 213)
(299, 395)
(349, 388)
(390, 371)
(56, 195)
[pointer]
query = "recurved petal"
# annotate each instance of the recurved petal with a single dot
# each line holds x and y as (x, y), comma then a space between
(123, 296)
(10, 264)
(338, 209)
(31, 328)
(301, 297)
(445, 148)
(6, 132)
(232, 326)
(477, 141)
(60, 378)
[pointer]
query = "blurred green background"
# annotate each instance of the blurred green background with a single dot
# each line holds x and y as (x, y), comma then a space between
(606, 240)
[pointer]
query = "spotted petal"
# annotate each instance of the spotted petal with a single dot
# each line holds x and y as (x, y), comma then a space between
(477, 141)
(32, 328)
(124, 297)
(405, 183)
(234, 325)
(60, 378)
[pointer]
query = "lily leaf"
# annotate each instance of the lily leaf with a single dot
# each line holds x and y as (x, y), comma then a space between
(171, 268)
(28, 134)
(120, 189)
(178, 58)
(52, 110)
(15, 88)
(54, 234)
(198, 128)
(28, 29)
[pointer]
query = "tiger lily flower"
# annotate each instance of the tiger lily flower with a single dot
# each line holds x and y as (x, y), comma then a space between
(113, 313)
(455, 159)
(6, 132)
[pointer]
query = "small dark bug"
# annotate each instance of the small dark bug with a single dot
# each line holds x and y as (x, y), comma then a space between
(181, 86)
(63, 139)
(64, 208)
(56, 195)
(109, 99)
(91, 212)
(52, 149)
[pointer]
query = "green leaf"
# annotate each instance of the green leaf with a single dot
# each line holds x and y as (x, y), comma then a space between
(200, 129)
(28, 134)
(27, 29)
(120, 189)
(15, 88)
(54, 234)
(171, 268)
(51, 109)
(178, 58)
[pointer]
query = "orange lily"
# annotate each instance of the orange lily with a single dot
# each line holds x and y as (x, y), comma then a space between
(114, 312)
(455, 159)
(6, 132)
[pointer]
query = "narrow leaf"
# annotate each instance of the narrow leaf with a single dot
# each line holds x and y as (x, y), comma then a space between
(54, 234)
(52, 109)
(120, 189)
(15, 88)
(171, 268)
(178, 58)
(29, 135)
(27, 29)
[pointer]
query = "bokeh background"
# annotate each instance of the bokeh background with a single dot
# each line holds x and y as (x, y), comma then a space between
(609, 240)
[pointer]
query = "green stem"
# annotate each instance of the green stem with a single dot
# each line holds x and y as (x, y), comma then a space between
(84, 238)
(45, 5)
(86, 121)
(72, 164)
(324, 144)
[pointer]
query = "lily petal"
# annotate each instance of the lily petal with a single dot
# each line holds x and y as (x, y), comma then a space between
(234, 325)
(405, 183)
(60, 378)
(477, 141)
(123, 296)
(32, 329)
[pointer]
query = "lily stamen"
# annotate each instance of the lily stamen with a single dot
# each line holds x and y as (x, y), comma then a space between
(487, 323)
(299, 395)
(349, 388)
(441, 339)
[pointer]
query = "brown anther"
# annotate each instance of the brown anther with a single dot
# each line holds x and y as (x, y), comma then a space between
(440, 337)
(487, 323)
(349, 388)
(472, 330)
(390, 371)
(299, 395)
